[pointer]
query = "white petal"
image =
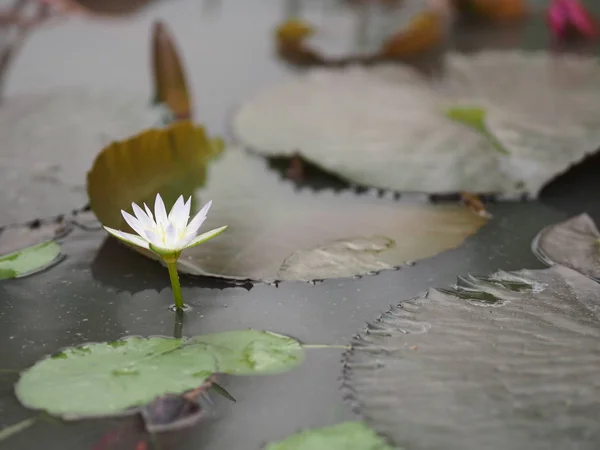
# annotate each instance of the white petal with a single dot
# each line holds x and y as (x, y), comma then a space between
(179, 215)
(133, 223)
(171, 238)
(154, 238)
(198, 220)
(143, 218)
(160, 213)
(128, 237)
(149, 212)
(206, 236)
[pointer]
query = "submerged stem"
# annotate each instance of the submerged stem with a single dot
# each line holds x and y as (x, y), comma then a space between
(178, 332)
(172, 266)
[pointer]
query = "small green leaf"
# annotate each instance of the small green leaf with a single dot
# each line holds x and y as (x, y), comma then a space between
(474, 118)
(29, 260)
(345, 436)
(101, 379)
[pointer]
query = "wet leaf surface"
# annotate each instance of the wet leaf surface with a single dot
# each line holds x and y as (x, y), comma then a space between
(502, 122)
(276, 232)
(505, 362)
(113, 378)
(29, 260)
(345, 436)
(574, 243)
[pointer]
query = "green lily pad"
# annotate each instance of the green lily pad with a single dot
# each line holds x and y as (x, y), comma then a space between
(29, 260)
(345, 436)
(113, 378)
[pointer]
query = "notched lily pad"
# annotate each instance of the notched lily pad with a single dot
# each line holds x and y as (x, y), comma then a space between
(275, 231)
(29, 260)
(574, 243)
(495, 122)
(114, 378)
(507, 361)
(345, 436)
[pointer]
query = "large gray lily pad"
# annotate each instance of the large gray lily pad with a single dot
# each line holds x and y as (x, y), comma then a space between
(115, 377)
(389, 127)
(574, 243)
(278, 233)
(506, 362)
(51, 138)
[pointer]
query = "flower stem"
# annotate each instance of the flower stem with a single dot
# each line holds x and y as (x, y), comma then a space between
(172, 266)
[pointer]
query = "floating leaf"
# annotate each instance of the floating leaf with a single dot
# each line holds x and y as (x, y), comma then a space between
(501, 122)
(276, 232)
(169, 77)
(51, 138)
(29, 260)
(111, 378)
(507, 361)
(345, 436)
(574, 243)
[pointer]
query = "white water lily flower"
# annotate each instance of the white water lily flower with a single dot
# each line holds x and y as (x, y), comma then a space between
(166, 235)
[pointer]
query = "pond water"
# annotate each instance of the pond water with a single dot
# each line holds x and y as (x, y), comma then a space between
(102, 291)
